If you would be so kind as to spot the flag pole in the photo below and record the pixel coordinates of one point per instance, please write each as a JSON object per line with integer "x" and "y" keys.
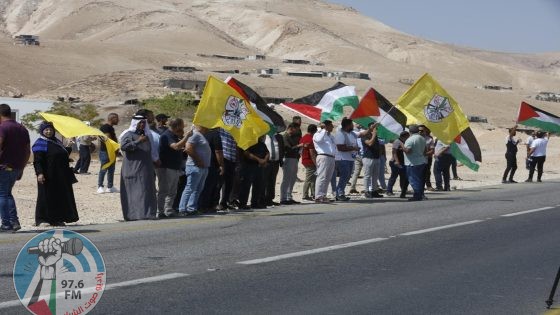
{"x": 387, "y": 113}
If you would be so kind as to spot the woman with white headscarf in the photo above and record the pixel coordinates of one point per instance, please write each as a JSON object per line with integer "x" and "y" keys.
{"x": 138, "y": 189}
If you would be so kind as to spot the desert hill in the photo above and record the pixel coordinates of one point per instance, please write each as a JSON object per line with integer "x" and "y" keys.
{"x": 112, "y": 50}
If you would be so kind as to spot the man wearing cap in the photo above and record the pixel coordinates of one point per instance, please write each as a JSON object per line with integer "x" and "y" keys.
{"x": 415, "y": 160}
{"x": 323, "y": 141}
{"x": 14, "y": 154}
{"x": 161, "y": 123}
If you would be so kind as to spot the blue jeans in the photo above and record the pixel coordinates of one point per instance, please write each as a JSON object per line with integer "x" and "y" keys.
{"x": 7, "y": 203}
{"x": 400, "y": 172}
{"x": 110, "y": 171}
{"x": 196, "y": 177}
{"x": 417, "y": 180}
{"x": 344, "y": 169}
{"x": 441, "y": 171}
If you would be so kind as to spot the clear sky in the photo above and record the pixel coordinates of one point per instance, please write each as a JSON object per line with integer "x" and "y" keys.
{"x": 497, "y": 25}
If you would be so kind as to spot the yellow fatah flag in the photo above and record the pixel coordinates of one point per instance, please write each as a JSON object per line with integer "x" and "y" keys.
{"x": 112, "y": 148}
{"x": 431, "y": 105}
{"x": 222, "y": 106}
{"x": 71, "y": 127}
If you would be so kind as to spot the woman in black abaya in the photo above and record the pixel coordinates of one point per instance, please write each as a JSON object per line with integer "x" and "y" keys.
{"x": 55, "y": 198}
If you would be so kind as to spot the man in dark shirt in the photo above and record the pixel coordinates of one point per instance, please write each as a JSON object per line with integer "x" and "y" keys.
{"x": 370, "y": 161}
{"x": 171, "y": 145}
{"x": 255, "y": 159}
{"x": 275, "y": 145}
{"x": 210, "y": 196}
{"x": 109, "y": 131}
{"x": 14, "y": 154}
{"x": 297, "y": 120}
{"x": 511, "y": 156}
{"x": 290, "y": 167}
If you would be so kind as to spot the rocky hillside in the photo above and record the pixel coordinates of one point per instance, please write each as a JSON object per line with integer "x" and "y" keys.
{"x": 88, "y": 46}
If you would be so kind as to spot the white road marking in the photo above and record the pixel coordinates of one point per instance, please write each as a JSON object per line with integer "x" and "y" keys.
{"x": 374, "y": 240}
{"x": 527, "y": 211}
{"x": 145, "y": 280}
{"x": 13, "y": 303}
{"x": 111, "y": 286}
{"x": 309, "y": 252}
{"x": 443, "y": 227}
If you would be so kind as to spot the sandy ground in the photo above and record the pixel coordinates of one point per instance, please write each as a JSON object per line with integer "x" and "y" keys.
{"x": 105, "y": 208}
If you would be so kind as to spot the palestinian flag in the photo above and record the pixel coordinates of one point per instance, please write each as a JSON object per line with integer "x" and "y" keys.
{"x": 531, "y": 116}
{"x": 466, "y": 150}
{"x": 376, "y": 108}
{"x": 326, "y": 104}
{"x": 272, "y": 118}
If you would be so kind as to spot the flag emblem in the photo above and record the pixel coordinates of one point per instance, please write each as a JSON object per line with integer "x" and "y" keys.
{"x": 235, "y": 112}
{"x": 438, "y": 108}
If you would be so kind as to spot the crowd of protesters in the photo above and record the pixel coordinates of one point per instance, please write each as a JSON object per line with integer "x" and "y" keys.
{"x": 203, "y": 171}
{"x": 170, "y": 169}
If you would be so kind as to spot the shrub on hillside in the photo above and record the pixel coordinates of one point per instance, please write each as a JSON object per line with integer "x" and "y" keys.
{"x": 179, "y": 105}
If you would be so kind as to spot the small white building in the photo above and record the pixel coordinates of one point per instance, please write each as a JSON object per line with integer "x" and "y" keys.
{"x": 22, "y": 106}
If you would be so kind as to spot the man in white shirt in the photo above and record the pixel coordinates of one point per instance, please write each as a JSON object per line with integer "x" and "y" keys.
{"x": 326, "y": 149}
{"x": 346, "y": 151}
{"x": 537, "y": 155}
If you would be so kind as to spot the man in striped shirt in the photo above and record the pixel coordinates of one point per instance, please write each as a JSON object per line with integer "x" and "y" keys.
{"x": 229, "y": 149}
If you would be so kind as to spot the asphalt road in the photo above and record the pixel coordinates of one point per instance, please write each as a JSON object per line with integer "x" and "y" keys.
{"x": 460, "y": 252}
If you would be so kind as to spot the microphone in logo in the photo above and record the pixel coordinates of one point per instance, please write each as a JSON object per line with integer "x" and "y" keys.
{"x": 72, "y": 247}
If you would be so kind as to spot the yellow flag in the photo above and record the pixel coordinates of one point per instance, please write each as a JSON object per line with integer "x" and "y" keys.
{"x": 431, "y": 105}
{"x": 222, "y": 106}
{"x": 112, "y": 148}
{"x": 72, "y": 127}
{"x": 410, "y": 120}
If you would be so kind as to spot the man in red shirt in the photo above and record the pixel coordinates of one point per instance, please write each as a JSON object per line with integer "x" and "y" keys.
{"x": 308, "y": 156}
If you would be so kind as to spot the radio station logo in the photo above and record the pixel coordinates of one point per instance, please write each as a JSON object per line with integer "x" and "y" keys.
{"x": 59, "y": 272}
